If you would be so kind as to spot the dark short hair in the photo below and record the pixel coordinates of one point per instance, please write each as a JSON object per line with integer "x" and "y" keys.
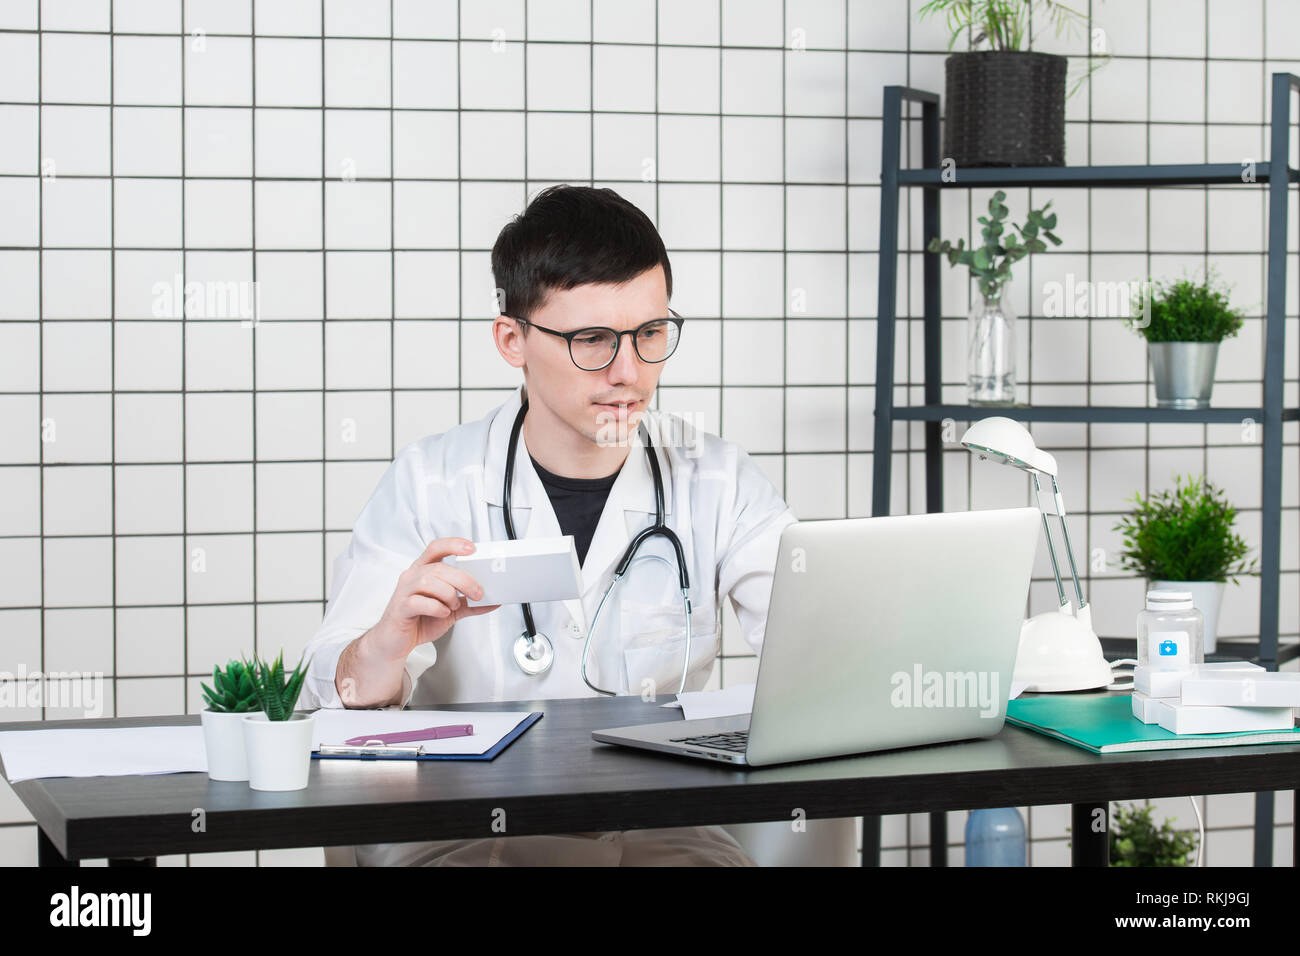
{"x": 570, "y": 236}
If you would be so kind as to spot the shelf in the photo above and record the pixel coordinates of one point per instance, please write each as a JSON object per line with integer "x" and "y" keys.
{"x": 1087, "y": 413}
{"x": 1226, "y": 649}
{"x": 1168, "y": 175}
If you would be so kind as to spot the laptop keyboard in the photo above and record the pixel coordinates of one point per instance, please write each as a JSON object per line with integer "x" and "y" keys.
{"x": 735, "y": 741}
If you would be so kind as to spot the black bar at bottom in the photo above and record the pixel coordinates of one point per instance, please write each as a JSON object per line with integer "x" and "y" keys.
{"x": 871, "y": 840}
{"x": 1088, "y": 847}
{"x": 133, "y": 861}
{"x": 939, "y": 839}
{"x": 47, "y": 854}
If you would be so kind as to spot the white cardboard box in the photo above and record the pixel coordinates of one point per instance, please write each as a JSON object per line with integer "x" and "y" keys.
{"x": 1157, "y": 683}
{"x": 1144, "y": 707}
{"x": 1180, "y": 718}
{"x": 1263, "y": 689}
{"x": 529, "y": 569}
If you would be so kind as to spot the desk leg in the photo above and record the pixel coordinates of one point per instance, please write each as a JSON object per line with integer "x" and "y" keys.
{"x": 47, "y": 854}
{"x": 1087, "y": 846}
{"x": 871, "y": 840}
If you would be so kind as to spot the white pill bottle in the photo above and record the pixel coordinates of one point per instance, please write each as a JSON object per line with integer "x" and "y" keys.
{"x": 1170, "y": 632}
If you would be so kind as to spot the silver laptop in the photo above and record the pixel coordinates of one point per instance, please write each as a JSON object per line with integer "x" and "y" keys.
{"x": 881, "y": 633}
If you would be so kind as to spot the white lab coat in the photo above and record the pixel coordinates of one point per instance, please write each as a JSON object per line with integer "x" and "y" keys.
{"x": 722, "y": 507}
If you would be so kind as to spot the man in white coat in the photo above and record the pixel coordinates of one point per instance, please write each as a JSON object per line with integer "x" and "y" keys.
{"x": 398, "y": 632}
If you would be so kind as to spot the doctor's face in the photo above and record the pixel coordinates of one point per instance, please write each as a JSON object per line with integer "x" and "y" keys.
{"x": 603, "y": 405}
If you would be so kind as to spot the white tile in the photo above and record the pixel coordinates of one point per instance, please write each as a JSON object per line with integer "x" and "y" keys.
{"x": 559, "y": 146}
{"x": 688, "y": 80}
{"x": 815, "y": 485}
{"x": 1235, "y": 28}
{"x": 1119, "y": 91}
{"x": 753, "y": 148}
{"x": 425, "y": 354}
{"x": 289, "y": 215}
{"x": 752, "y": 285}
{"x": 218, "y": 214}
{"x": 147, "y": 212}
{"x": 623, "y": 78}
{"x": 20, "y": 562}
{"x": 349, "y": 485}
{"x": 146, "y": 140}
{"x": 218, "y": 142}
{"x": 415, "y": 273}
{"x": 484, "y": 208}
{"x": 148, "y": 428}
{"x": 753, "y": 216}
{"x": 1236, "y": 92}
{"x": 79, "y": 640}
{"x": 491, "y": 75}
{"x": 681, "y": 21}
{"x": 815, "y": 285}
{"x": 359, "y": 285}
{"x": 623, "y": 21}
{"x": 1177, "y": 90}
{"x": 147, "y": 70}
{"x": 815, "y": 83}
{"x": 290, "y": 496}
{"x": 76, "y": 356}
{"x": 218, "y": 498}
{"x": 358, "y": 425}
{"x": 74, "y": 67}
{"x": 357, "y": 215}
{"x": 20, "y": 143}
{"x": 78, "y": 500}
{"x": 218, "y": 355}
{"x": 76, "y": 428}
{"x": 492, "y": 145}
{"x": 690, "y": 216}
{"x": 293, "y": 626}
{"x": 815, "y": 350}
{"x": 219, "y": 16}
{"x": 289, "y": 567}
{"x": 218, "y": 427}
{"x": 289, "y": 426}
{"x": 20, "y": 501}
{"x": 356, "y": 143}
{"x": 358, "y": 355}
{"x": 418, "y": 414}
{"x": 290, "y": 285}
{"x": 20, "y": 428}
{"x": 417, "y": 18}
{"x": 559, "y": 76}
{"x": 19, "y": 67}
{"x": 78, "y": 572}
{"x": 357, "y": 73}
{"x": 425, "y": 215}
{"x": 216, "y": 635}
{"x": 1177, "y": 29}
{"x": 288, "y": 72}
{"x": 815, "y": 419}
{"x": 149, "y": 696}
{"x": 1235, "y": 222}
{"x": 221, "y": 73}
{"x": 752, "y": 81}
{"x": 150, "y": 640}
{"x": 688, "y": 148}
{"x": 815, "y": 151}
{"x": 149, "y": 570}
{"x": 426, "y": 144}
{"x": 356, "y": 18}
{"x": 281, "y": 348}
{"x": 147, "y": 499}
{"x": 75, "y": 140}
{"x": 288, "y": 142}
{"x": 815, "y": 217}
{"x": 219, "y": 568}
{"x": 76, "y": 212}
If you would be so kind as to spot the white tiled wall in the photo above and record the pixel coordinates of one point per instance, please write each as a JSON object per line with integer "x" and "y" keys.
{"x": 174, "y": 481}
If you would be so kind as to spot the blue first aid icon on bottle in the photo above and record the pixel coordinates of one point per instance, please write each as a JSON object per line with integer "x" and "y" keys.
{"x": 1168, "y": 649}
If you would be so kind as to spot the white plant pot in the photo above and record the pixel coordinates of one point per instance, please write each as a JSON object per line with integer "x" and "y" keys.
{"x": 223, "y": 741}
{"x": 279, "y": 751}
{"x": 1207, "y": 597}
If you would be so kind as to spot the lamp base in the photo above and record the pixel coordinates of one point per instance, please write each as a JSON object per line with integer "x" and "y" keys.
{"x": 1059, "y": 652}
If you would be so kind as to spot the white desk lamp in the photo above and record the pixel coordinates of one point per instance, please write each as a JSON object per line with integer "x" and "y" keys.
{"x": 1059, "y": 651}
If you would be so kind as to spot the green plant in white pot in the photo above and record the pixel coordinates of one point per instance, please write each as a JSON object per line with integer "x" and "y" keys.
{"x": 1183, "y": 540}
{"x": 1183, "y": 323}
{"x": 229, "y": 700}
{"x": 277, "y": 740}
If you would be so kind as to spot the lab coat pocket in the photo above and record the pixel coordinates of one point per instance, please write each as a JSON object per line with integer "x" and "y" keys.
{"x": 654, "y": 646}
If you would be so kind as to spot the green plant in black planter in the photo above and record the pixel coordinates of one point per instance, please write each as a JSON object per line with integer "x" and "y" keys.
{"x": 1183, "y": 322}
{"x": 1004, "y": 105}
{"x": 1136, "y": 841}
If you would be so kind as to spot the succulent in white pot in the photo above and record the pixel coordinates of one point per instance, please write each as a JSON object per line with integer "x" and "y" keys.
{"x": 229, "y": 700}
{"x": 277, "y": 740}
{"x": 1183, "y": 540}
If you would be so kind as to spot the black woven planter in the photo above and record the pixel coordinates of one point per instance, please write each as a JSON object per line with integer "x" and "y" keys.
{"x": 1004, "y": 108}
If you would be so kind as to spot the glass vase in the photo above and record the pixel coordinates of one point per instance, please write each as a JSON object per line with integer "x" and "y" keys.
{"x": 991, "y": 349}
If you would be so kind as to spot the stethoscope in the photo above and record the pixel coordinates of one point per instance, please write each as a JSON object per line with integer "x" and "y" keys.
{"x": 534, "y": 652}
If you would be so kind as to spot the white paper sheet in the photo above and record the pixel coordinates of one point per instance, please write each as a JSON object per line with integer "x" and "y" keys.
{"x": 334, "y": 726}
{"x": 696, "y": 704}
{"x": 102, "y": 752}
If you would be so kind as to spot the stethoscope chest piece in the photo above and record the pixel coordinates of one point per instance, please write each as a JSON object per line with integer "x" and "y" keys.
{"x": 535, "y": 654}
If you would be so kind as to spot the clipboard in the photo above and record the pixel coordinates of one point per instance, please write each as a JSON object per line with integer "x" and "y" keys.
{"x": 416, "y": 751}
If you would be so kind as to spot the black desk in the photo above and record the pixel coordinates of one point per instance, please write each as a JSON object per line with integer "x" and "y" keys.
{"x": 556, "y": 779}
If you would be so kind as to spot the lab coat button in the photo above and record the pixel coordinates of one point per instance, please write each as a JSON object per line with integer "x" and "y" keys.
{"x": 574, "y": 629}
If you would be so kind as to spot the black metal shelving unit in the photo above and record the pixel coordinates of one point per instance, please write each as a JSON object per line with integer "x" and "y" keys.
{"x": 1276, "y": 174}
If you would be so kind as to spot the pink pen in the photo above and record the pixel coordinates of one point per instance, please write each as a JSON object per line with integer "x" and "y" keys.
{"x": 428, "y": 733}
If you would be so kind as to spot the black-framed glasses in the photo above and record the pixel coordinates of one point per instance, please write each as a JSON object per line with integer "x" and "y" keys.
{"x": 593, "y": 348}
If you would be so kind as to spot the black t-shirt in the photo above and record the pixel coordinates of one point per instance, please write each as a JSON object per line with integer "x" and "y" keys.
{"x": 578, "y": 503}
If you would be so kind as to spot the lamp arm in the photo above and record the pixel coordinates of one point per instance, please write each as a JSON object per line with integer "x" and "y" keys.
{"x": 1051, "y": 545}
{"x": 1069, "y": 549}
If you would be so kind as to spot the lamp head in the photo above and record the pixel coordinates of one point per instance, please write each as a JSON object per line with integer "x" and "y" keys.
{"x": 1007, "y": 442}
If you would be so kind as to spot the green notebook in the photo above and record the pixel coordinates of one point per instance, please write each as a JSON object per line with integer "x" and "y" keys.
{"x": 1105, "y": 724}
